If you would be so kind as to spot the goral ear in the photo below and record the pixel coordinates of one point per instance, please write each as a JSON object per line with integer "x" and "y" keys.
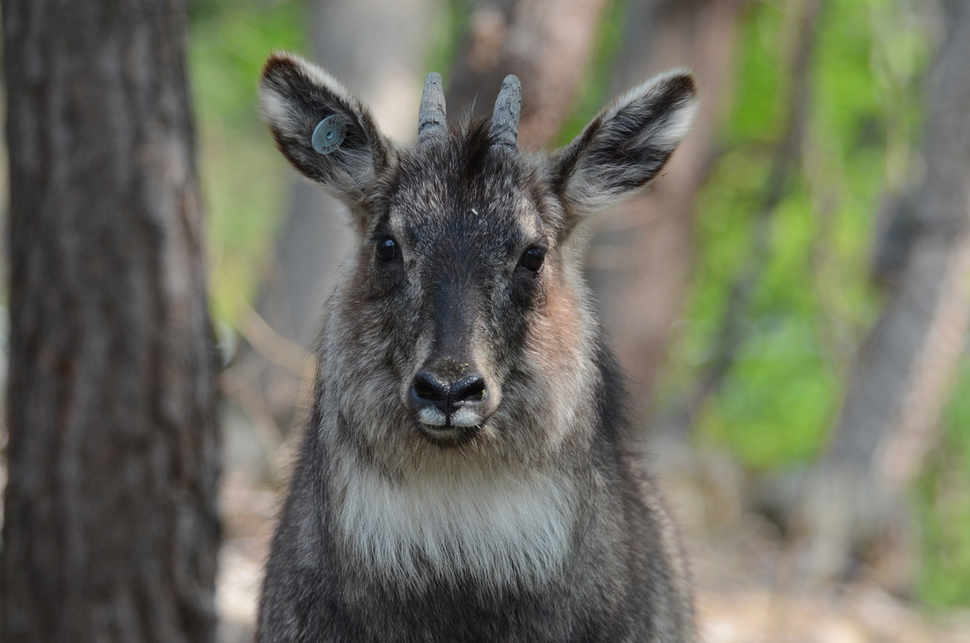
{"x": 324, "y": 131}
{"x": 626, "y": 145}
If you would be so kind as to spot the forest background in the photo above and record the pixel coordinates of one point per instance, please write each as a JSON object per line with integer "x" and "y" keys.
{"x": 797, "y": 347}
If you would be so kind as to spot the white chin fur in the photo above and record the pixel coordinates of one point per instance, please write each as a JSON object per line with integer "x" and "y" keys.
{"x": 433, "y": 416}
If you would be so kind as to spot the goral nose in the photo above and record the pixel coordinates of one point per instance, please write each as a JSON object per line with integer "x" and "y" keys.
{"x": 439, "y": 401}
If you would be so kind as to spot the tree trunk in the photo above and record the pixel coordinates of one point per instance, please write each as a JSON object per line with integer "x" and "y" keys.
{"x": 904, "y": 371}
{"x": 111, "y": 529}
{"x": 546, "y": 43}
{"x": 640, "y": 258}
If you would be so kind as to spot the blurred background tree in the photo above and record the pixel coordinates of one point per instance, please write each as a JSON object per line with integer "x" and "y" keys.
{"x": 740, "y": 289}
{"x": 790, "y": 298}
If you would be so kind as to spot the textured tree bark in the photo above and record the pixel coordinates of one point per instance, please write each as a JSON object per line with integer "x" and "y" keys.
{"x": 111, "y": 530}
{"x": 904, "y": 370}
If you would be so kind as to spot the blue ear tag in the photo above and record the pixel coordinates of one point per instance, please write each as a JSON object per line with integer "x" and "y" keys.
{"x": 328, "y": 134}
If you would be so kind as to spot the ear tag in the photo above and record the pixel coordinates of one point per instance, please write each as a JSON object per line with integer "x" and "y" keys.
{"x": 328, "y": 134}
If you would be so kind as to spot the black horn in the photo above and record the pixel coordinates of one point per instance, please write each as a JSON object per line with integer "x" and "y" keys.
{"x": 432, "y": 121}
{"x": 505, "y": 117}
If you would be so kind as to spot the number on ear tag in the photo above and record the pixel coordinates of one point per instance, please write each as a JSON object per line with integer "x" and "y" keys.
{"x": 328, "y": 134}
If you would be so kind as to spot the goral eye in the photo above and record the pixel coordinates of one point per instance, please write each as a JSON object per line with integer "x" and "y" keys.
{"x": 533, "y": 258}
{"x": 386, "y": 249}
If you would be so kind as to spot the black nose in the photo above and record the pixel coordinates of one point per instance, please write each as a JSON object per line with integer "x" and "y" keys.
{"x": 427, "y": 389}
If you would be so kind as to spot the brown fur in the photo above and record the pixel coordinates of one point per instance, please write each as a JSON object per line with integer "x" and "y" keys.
{"x": 467, "y": 473}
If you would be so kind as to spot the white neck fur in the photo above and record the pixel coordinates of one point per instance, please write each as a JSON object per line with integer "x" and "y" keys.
{"x": 494, "y": 526}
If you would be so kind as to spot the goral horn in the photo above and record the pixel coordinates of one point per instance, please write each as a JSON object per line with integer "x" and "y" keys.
{"x": 505, "y": 118}
{"x": 432, "y": 121}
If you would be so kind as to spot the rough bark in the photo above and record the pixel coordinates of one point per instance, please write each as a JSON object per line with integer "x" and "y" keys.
{"x": 903, "y": 374}
{"x": 641, "y": 256}
{"x": 111, "y": 530}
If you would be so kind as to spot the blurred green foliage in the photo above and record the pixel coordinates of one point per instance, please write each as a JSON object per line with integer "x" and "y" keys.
{"x": 942, "y": 498}
{"x": 813, "y": 299}
{"x": 244, "y": 181}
